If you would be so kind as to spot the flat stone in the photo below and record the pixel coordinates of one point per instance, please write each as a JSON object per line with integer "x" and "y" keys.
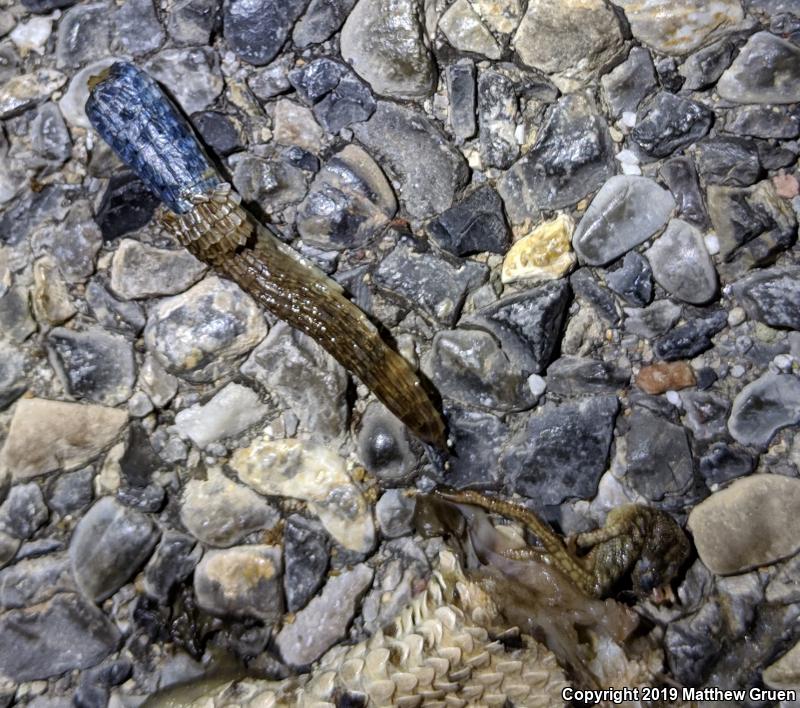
{"x": 728, "y": 160}
{"x": 706, "y": 414}
{"x": 221, "y": 133}
{"x": 384, "y": 41}
{"x": 35, "y": 580}
{"x": 255, "y": 30}
{"x": 24, "y": 511}
{"x": 121, "y": 316}
{"x": 93, "y": 364}
{"x": 321, "y": 20}
{"x": 304, "y": 377}
{"x": 51, "y": 139}
{"x": 771, "y": 296}
{"x": 725, "y": 462}
{"x": 127, "y": 206}
{"x": 633, "y": 281}
{"x": 785, "y": 672}
{"x": 749, "y": 524}
{"x": 349, "y": 202}
{"x": 628, "y": 84}
{"x": 190, "y": 22}
{"x": 73, "y": 101}
{"x": 764, "y": 121}
{"x": 500, "y": 16}
{"x": 579, "y": 376}
{"x": 384, "y": 447}
{"x": 465, "y": 31}
{"x": 562, "y": 451}
{"x": 230, "y": 412}
{"x": 139, "y": 270}
{"x": 693, "y": 643}
{"x": 753, "y": 224}
{"x": 271, "y": 80}
{"x": 72, "y": 492}
{"x": 680, "y": 176}
{"x": 659, "y": 462}
{"x": 325, "y": 619}
{"x": 763, "y": 407}
{"x": 706, "y": 65}
{"x": 272, "y": 183}
{"x": 665, "y": 376}
{"x": 136, "y": 27}
{"x": 588, "y": 289}
{"x": 295, "y": 125}
{"x": 690, "y": 339}
{"x": 414, "y": 153}
{"x": 12, "y": 374}
{"x": 570, "y": 41}
{"x": 201, "y": 333}
{"x": 15, "y": 316}
{"x": 668, "y": 123}
{"x": 681, "y": 264}
{"x": 679, "y": 30}
{"x": 77, "y": 433}
{"x": 337, "y": 96}
{"x": 310, "y": 472}
{"x": 478, "y": 439}
{"x": 20, "y": 93}
{"x": 572, "y": 157}
{"x": 50, "y": 298}
{"x": 61, "y": 635}
{"x": 497, "y": 110}
{"x": 767, "y": 70}
{"x": 173, "y": 561}
{"x": 219, "y": 512}
{"x": 307, "y": 554}
{"x": 461, "y": 92}
{"x": 476, "y": 224}
{"x": 427, "y": 281}
{"x": 544, "y": 254}
{"x": 84, "y": 34}
{"x": 244, "y": 581}
{"x": 626, "y": 212}
{"x": 192, "y": 76}
{"x": 109, "y": 544}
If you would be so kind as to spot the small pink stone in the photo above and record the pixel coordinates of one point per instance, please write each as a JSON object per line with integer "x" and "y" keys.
{"x": 786, "y": 186}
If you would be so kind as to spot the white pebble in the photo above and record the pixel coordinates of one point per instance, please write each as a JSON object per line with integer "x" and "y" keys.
{"x": 674, "y": 398}
{"x": 537, "y": 385}
{"x": 628, "y": 169}
{"x": 31, "y": 36}
{"x": 712, "y": 243}
{"x": 737, "y": 371}
{"x": 627, "y": 157}
{"x": 628, "y": 119}
{"x": 736, "y": 316}
{"x": 783, "y": 362}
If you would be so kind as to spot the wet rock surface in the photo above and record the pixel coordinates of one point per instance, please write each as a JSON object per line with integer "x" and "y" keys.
{"x": 576, "y": 220}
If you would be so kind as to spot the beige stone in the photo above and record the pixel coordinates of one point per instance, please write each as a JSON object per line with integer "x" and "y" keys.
{"x": 464, "y": 30}
{"x": 54, "y": 435}
{"x": 544, "y": 254}
{"x": 294, "y": 124}
{"x": 785, "y": 672}
{"x": 753, "y": 522}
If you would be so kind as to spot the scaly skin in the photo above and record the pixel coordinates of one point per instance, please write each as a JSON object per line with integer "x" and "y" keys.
{"x": 638, "y": 540}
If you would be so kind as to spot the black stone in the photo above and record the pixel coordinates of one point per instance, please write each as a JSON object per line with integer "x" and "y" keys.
{"x": 705, "y": 378}
{"x": 337, "y": 96}
{"x": 562, "y": 451}
{"x": 706, "y": 415}
{"x": 19, "y": 219}
{"x": 321, "y": 20}
{"x": 728, "y": 160}
{"x": 72, "y": 492}
{"x": 303, "y": 159}
{"x": 149, "y": 499}
{"x": 764, "y": 121}
{"x": 772, "y": 296}
{"x": 125, "y": 316}
{"x": 462, "y": 95}
{"x": 774, "y": 155}
{"x": 630, "y": 83}
{"x": 256, "y": 31}
{"x": 427, "y": 281}
{"x": 175, "y": 558}
{"x": 140, "y": 460}
{"x": 669, "y": 123}
{"x": 633, "y": 281}
{"x": 705, "y": 66}
{"x": 497, "y": 110}
{"x": 218, "y": 132}
{"x": 723, "y": 462}
{"x": 306, "y": 558}
{"x": 127, "y": 205}
{"x": 528, "y": 324}
{"x": 690, "y": 339}
{"x": 478, "y": 440}
{"x": 658, "y": 456}
{"x": 680, "y": 176}
{"x": 384, "y": 447}
{"x": 474, "y": 225}
{"x": 586, "y": 288}
{"x": 668, "y": 75}
{"x": 43, "y": 6}
{"x": 24, "y": 511}
{"x": 578, "y": 376}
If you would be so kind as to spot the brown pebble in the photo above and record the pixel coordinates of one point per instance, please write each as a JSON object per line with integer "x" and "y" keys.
{"x": 665, "y": 376}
